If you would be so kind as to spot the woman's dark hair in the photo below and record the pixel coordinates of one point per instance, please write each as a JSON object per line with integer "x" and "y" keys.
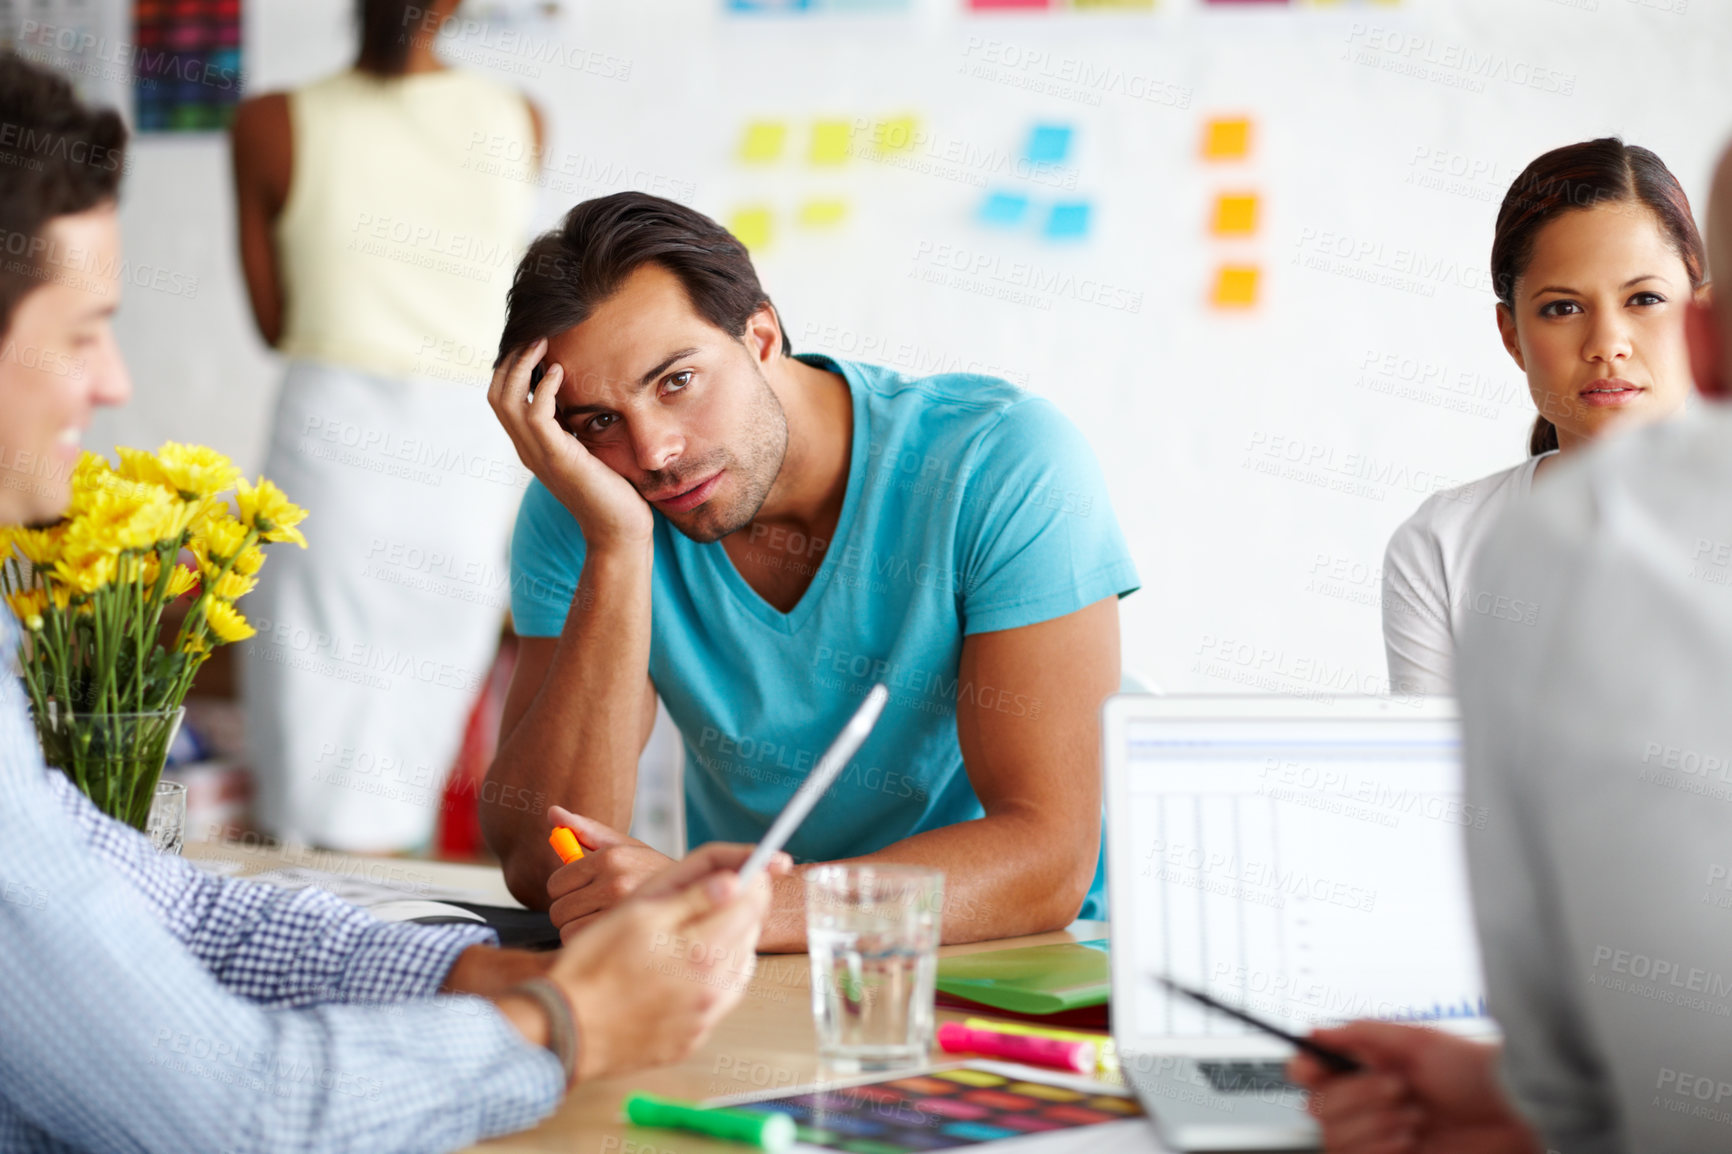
{"x": 570, "y": 270}
{"x": 1604, "y": 171}
{"x": 57, "y": 158}
{"x": 386, "y": 31}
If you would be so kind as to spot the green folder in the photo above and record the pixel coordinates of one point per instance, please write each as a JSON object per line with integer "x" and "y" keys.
{"x": 1032, "y": 980}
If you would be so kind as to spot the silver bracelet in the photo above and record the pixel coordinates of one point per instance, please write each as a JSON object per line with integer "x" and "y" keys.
{"x": 561, "y": 1022}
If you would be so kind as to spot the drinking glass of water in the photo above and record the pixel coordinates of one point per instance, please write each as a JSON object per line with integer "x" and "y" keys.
{"x": 166, "y": 825}
{"x": 872, "y": 932}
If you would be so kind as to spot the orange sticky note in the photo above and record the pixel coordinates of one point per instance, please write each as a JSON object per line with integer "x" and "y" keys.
{"x": 1235, "y": 286}
{"x": 1227, "y": 138}
{"x": 1235, "y": 214}
{"x": 565, "y": 844}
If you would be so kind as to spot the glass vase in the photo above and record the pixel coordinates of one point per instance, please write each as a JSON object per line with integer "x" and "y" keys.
{"x": 116, "y": 759}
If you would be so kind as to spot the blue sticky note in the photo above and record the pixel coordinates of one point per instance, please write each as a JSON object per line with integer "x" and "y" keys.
{"x": 1049, "y": 143}
{"x": 1004, "y": 208}
{"x": 769, "y": 5}
{"x": 1068, "y": 221}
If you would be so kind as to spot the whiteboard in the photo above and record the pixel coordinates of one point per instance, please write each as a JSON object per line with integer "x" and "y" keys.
{"x": 1257, "y": 459}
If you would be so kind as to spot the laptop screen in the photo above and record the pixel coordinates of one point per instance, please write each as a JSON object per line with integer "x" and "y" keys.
{"x": 1309, "y": 870}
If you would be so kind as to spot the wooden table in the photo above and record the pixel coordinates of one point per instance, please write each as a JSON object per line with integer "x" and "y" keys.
{"x": 767, "y": 1043}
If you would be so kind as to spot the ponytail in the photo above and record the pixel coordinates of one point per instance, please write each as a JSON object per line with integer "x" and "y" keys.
{"x": 1543, "y": 439}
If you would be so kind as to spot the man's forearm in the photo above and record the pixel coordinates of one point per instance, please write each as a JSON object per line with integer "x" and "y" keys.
{"x": 578, "y": 743}
{"x": 488, "y": 972}
{"x": 1005, "y": 875}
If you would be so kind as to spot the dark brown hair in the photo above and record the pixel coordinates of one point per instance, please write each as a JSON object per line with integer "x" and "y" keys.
{"x": 385, "y": 33}
{"x": 57, "y": 157}
{"x": 571, "y": 270}
{"x": 1604, "y": 171}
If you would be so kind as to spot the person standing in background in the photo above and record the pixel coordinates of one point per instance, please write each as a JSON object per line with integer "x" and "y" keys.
{"x": 1595, "y": 260}
{"x": 381, "y": 213}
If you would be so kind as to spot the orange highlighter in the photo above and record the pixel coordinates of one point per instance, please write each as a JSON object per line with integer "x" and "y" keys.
{"x": 565, "y": 844}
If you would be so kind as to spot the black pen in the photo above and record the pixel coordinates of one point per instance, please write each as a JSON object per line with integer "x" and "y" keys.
{"x": 1334, "y": 1059}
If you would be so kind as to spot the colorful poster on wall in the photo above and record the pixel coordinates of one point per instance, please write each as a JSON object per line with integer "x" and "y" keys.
{"x": 186, "y": 65}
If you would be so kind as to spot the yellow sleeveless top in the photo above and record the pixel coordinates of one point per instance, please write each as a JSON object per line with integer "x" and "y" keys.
{"x": 408, "y": 209}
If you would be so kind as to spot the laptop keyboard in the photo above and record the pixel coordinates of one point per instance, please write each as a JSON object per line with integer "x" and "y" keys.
{"x": 1245, "y": 1077}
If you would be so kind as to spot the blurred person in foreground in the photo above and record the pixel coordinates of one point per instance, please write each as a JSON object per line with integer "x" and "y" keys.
{"x": 146, "y": 1005}
{"x": 1596, "y": 741}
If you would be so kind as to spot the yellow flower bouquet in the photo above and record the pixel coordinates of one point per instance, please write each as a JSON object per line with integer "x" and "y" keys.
{"x": 90, "y": 593}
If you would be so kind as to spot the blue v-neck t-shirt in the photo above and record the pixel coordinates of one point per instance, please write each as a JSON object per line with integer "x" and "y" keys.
{"x": 971, "y": 507}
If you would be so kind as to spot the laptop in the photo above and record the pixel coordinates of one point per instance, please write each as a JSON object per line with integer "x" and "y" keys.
{"x": 1299, "y": 858}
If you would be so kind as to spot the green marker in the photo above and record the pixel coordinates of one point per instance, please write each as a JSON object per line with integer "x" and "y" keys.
{"x": 772, "y": 1132}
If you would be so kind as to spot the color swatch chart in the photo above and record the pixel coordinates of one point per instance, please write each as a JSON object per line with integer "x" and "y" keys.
{"x": 187, "y": 71}
{"x": 945, "y": 1110}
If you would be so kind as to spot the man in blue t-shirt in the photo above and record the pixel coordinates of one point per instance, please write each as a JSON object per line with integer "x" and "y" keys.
{"x": 760, "y": 538}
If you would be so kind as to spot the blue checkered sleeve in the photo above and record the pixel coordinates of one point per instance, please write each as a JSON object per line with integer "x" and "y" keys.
{"x": 270, "y": 945}
{"x": 113, "y": 1036}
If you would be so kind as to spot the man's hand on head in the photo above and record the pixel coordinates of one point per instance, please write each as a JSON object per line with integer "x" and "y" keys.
{"x": 607, "y": 508}
{"x": 612, "y": 868}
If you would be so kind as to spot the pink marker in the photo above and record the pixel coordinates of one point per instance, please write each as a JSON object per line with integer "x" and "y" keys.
{"x": 954, "y": 1037}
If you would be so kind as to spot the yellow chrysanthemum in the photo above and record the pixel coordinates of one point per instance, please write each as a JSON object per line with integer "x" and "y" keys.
{"x": 28, "y": 605}
{"x": 219, "y": 538}
{"x": 87, "y": 573}
{"x": 90, "y": 475}
{"x": 226, "y": 622}
{"x": 138, "y": 465}
{"x": 269, "y": 510}
{"x": 195, "y": 471}
{"x": 41, "y": 547}
{"x": 231, "y": 586}
{"x": 181, "y": 581}
{"x": 195, "y": 645}
{"x": 250, "y": 561}
{"x": 128, "y": 516}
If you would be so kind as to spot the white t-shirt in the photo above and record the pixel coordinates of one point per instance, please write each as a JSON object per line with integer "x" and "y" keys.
{"x": 1597, "y": 744}
{"x": 1425, "y": 591}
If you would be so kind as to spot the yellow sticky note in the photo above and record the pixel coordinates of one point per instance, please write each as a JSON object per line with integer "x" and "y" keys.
{"x": 823, "y": 213}
{"x": 1235, "y": 286}
{"x": 762, "y": 142}
{"x": 751, "y": 227}
{"x": 1227, "y": 138}
{"x": 897, "y": 134}
{"x": 832, "y": 140}
{"x": 971, "y": 1077}
{"x": 1235, "y": 214}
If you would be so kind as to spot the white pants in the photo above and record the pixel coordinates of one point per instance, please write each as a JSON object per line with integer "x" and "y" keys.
{"x": 375, "y": 641}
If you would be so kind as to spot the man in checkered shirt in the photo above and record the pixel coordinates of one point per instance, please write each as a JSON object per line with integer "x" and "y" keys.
{"x": 147, "y": 1006}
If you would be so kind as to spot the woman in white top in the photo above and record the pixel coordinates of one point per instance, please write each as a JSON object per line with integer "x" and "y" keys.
{"x": 382, "y": 212}
{"x": 1595, "y": 258}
